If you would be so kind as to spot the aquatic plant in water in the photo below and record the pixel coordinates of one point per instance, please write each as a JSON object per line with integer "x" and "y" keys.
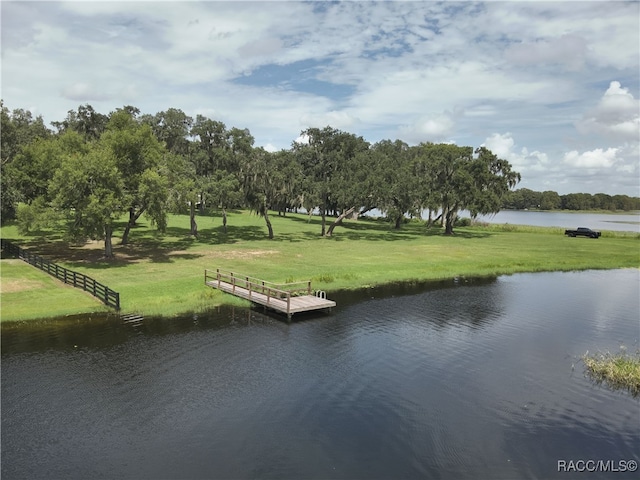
{"x": 619, "y": 371}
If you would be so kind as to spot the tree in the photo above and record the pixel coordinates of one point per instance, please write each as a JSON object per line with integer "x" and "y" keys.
{"x": 576, "y": 201}
{"x": 224, "y": 191}
{"x": 326, "y": 160}
{"x": 212, "y": 136}
{"x": 624, "y": 202}
{"x": 289, "y": 195}
{"x": 260, "y": 185}
{"x": 183, "y": 188}
{"x": 38, "y": 161}
{"x": 449, "y": 181}
{"x": 171, "y": 128}
{"x": 398, "y": 184}
{"x": 492, "y": 180}
{"x": 460, "y": 181}
{"x": 90, "y": 192}
{"x": 603, "y": 201}
{"x": 18, "y": 130}
{"x": 550, "y": 200}
{"x": 86, "y": 121}
{"x": 356, "y": 182}
{"x": 137, "y": 154}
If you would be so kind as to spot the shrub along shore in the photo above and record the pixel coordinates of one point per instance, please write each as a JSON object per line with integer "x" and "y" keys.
{"x": 163, "y": 274}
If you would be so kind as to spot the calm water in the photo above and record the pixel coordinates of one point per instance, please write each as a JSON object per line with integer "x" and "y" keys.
{"x": 466, "y": 379}
{"x": 597, "y": 221}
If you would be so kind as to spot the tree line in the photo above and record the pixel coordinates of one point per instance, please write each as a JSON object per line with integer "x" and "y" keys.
{"x": 92, "y": 169}
{"x": 525, "y": 199}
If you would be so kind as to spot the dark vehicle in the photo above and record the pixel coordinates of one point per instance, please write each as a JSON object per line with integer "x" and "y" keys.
{"x": 582, "y": 232}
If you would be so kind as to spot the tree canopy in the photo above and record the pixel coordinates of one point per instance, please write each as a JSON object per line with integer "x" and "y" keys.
{"x": 96, "y": 168}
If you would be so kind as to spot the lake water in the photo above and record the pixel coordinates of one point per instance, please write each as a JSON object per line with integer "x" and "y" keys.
{"x": 628, "y": 222}
{"x": 459, "y": 379}
{"x": 597, "y": 221}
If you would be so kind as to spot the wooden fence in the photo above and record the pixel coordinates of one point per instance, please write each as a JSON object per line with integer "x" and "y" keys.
{"x": 78, "y": 280}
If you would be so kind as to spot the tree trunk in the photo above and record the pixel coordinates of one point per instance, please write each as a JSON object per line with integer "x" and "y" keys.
{"x": 224, "y": 220}
{"x": 324, "y": 221}
{"x": 108, "y": 244}
{"x": 398, "y": 222}
{"x": 451, "y": 217}
{"x": 192, "y": 217}
{"x": 338, "y": 221}
{"x": 432, "y": 222}
{"x": 265, "y": 214}
{"x": 133, "y": 218}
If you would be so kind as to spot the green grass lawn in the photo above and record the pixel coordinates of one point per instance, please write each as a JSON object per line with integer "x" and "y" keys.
{"x": 25, "y": 290}
{"x": 164, "y": 274}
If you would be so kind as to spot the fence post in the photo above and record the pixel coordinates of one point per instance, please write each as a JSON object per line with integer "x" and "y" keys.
{"x": 66, "y": 276}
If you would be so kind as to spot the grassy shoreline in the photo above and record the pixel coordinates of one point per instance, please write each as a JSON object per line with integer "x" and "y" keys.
{"x": 163, "y": 275}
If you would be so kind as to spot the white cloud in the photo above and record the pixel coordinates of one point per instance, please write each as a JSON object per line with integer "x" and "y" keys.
{"x": 523, "y": 161}
{"x": 597, "y": 158}
{"x": 433, "y": 128}
{"x": 83, "y": 92}
{"x": 616, "y": 116}
{"x": 420, "y": 71}
{"x": 302, "y": 139}
{"x": 568, "y": 51}
{"x": 336, "y": 119}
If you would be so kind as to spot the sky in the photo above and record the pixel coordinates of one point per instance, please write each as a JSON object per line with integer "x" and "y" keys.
{"x": 552, "y": 87}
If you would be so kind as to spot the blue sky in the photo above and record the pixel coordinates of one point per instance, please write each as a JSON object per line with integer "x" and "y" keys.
{"x": 553, "y": 87}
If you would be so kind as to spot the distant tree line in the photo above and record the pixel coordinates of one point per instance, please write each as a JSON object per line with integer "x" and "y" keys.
{"x": 92, "y": 169}
{"x": 525, "y": 199}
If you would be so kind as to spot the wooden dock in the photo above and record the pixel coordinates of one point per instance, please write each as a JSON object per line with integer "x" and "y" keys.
{"x": 288, "y": 298}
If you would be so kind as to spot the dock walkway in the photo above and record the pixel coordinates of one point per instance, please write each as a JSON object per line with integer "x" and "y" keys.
{"x": 288, "y": 298}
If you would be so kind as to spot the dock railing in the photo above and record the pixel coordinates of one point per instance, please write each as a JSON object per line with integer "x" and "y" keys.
{"x": 280, "y": 291}
{"x": 78, "y": 280}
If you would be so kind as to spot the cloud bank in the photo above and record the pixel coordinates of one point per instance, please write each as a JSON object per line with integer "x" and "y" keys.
{"x": 553, "y": 86}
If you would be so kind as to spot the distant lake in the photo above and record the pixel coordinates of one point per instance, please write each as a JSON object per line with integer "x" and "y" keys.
{"x": 461, "y": 379}
{"x": 597, "y": 221}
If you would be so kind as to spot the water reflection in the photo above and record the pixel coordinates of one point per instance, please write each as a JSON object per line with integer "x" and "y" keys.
{"x": 461, "y": 379}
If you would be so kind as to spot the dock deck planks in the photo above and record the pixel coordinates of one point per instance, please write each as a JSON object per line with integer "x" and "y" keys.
{"x": 275, "y": 297}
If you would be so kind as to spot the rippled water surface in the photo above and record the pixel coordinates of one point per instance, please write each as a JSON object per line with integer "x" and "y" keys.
{"x": 466, "y": 379}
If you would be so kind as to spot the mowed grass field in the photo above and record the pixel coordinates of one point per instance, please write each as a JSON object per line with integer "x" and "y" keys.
{"x": 163, "y": 274}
